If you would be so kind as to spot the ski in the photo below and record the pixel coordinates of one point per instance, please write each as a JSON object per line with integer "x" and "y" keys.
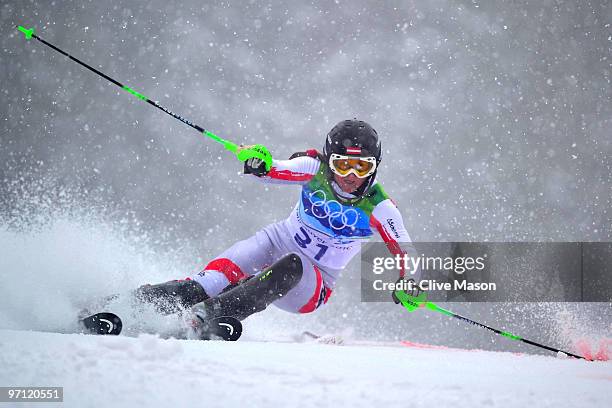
{"x": 104, "y": 323}
{"x": 109, "y": 324}
{"x": 225, "y": 327}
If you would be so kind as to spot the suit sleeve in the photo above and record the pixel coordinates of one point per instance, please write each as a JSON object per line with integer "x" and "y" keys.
{"x": 388, "y": 221}
{"x": 299, "y": 170}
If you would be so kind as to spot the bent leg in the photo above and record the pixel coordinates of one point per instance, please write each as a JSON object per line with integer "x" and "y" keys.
{"x": 309, "y": 293}
{"x": 234, "y": 265}
{"x": 238, "y": 262}
{"x": 255, "y": 294}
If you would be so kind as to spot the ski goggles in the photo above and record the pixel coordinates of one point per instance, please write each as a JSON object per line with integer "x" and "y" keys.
{"x": 362, "y": 167}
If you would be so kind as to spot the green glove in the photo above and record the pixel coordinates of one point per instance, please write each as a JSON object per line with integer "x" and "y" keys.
{"x": 411, "y": 300}
{"x": 258, "y": 152}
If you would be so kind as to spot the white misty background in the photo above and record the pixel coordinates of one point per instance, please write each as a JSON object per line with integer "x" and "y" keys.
{"x": 495, "y": 119}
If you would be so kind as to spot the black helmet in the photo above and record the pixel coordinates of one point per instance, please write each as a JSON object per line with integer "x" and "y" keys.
{"x": 353, "y": 138}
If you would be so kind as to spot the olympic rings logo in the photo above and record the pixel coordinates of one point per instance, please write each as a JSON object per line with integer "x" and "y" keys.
{"x": 337, "y": 216}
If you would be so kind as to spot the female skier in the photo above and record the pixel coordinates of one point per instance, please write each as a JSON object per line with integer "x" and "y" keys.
{"x": 295, "y": 263}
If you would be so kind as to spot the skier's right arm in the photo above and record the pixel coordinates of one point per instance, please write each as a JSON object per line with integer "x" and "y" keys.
{"x": 298, "y": 170}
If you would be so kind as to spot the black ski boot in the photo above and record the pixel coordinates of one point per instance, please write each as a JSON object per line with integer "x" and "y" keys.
{"x": 251, "y": 296}
{"x": 173, "y": 296}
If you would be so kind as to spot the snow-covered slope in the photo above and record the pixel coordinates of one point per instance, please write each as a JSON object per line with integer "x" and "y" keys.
{"x": 150, "y": 372}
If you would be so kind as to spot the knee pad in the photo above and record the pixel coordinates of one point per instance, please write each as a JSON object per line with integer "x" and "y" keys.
{"x": 283, "y": 275}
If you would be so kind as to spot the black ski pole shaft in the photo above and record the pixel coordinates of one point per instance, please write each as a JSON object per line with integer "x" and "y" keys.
{"x": 408, "y": 302}
{"x": 510, "y": 335}
{"x": 232, "y": 147}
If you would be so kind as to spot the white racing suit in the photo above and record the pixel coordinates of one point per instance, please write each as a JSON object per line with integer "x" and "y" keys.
{"x": 323, "y": 232}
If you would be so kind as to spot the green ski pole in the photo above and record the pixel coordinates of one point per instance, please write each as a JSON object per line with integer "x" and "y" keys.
{"x": 241, "y": 154}
{"x": 410, "y": 304}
